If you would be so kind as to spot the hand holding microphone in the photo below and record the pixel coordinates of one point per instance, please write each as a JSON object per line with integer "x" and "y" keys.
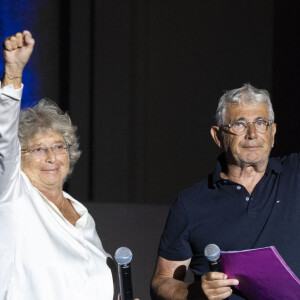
{"x": 215, "y": 283}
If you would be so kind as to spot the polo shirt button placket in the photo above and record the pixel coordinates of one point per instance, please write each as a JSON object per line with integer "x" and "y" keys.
{"x": 246, "y": 198}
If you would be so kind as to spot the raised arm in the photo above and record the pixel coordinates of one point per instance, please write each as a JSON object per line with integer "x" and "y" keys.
{"x": 168, "y": 283}
{"x": 17, "y": 50}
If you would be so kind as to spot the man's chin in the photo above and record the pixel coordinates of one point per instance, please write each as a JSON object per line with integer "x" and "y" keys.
{"x": 252, "y": 160}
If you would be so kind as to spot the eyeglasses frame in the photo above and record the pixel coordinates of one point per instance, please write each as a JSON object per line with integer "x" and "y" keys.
{"x": 46, "y": 149}
{"x": 246, "y": 125}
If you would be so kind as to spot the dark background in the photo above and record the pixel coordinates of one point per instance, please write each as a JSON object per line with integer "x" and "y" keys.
{"x": 141, "y": 80}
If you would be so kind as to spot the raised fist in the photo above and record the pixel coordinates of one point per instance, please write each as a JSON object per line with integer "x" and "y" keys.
{"x": 17, "y": 50}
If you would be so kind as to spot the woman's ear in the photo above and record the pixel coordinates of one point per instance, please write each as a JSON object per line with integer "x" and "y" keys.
{"x": 217, "y": 136}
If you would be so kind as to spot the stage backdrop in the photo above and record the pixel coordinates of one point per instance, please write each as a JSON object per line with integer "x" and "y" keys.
{"x": 141, "y": 80}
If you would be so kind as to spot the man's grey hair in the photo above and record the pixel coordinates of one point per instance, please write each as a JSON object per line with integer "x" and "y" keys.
{"x": 246, "y": 94}
{"x": 44, "y": 116}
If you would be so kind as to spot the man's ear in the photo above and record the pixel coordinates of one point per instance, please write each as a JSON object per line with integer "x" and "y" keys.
{"x": 216, "y": 134}
{"x": 273, "y": 128}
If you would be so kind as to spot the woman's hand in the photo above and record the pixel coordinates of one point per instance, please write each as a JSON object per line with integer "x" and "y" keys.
{"x": 17, "y": 50}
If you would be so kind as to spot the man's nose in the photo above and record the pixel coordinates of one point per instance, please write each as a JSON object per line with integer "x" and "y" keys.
{"x": 251, "y": 130}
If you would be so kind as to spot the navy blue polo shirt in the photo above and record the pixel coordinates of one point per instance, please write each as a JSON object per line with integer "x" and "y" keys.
{"x": 222, "y": 212}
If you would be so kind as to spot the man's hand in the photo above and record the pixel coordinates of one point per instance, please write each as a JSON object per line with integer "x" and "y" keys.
{"x": 216, "y": 286}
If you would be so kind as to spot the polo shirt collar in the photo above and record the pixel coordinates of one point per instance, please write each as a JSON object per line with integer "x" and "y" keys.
{"x": 274, "y": 165}
{"x": 220, "y": 166}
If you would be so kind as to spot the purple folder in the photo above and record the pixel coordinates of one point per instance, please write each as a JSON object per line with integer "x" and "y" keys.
{"x": 262, "y": 273}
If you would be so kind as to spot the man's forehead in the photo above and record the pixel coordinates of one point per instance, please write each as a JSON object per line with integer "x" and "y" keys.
{"x": 247, "y": 111}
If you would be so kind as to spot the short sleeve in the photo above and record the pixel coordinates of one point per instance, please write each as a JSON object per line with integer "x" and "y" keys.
{"x": 174, "y": 243}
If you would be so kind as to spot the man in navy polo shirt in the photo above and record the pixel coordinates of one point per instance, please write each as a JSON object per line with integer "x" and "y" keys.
{"x": 250, "y": 201}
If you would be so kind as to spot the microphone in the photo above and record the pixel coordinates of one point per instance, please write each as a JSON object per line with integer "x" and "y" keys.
{"x": 123, "y": 257}
{"x": 212, "y": 253}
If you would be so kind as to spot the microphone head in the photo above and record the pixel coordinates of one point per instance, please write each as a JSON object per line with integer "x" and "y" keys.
{"x": 123, "y": 256}
{"x": 212, "y": 252}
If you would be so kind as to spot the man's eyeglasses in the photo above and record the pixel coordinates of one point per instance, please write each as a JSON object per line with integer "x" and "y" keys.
{"x": 239, "y": 127}
{"x": 40, "y": 151}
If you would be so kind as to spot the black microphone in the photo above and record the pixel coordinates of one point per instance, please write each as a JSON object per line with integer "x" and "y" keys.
{"x": 212, "y": 252}
{"x": 123, "y": 257}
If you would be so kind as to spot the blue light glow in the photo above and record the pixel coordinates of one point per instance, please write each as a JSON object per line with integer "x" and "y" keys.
{"x": 16, "y": 16}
